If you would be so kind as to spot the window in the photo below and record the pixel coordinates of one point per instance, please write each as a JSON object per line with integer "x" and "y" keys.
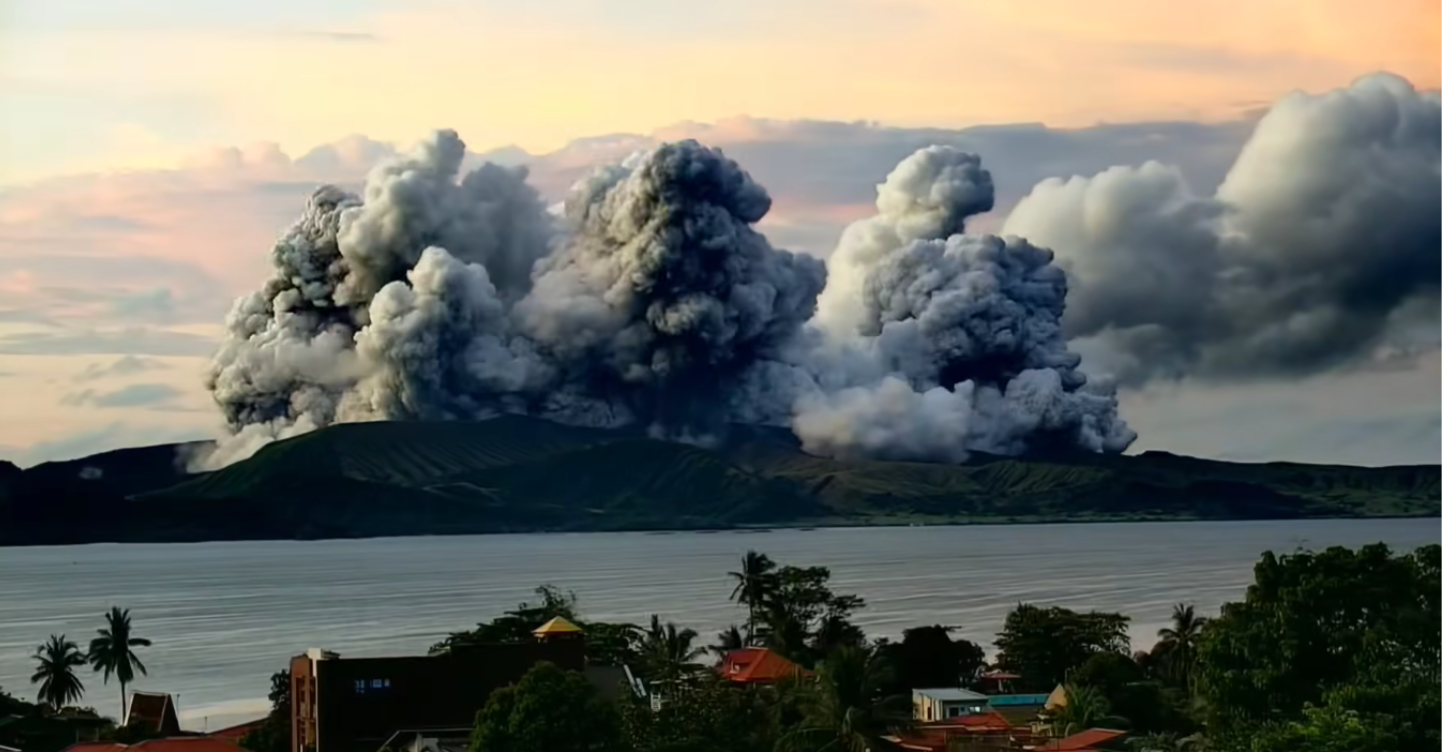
{"x": 364, "y": 685}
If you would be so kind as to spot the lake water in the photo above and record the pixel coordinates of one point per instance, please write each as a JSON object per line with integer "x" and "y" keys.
{"x": 224, "y": 616}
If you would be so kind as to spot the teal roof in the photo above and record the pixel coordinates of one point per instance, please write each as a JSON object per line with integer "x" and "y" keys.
{"x": 1001, "y": 701}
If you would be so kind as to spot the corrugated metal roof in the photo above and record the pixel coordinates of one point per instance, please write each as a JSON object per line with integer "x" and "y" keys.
{"x": 1000, "y": 701}
{"x": 951, "y": 694}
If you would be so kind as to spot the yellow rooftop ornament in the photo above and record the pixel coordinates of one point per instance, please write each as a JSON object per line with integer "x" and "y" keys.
{"x": 555, "y": 627}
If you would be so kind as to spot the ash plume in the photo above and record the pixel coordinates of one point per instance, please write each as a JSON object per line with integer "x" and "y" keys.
{"x": 649, "y": 299}
{"x": 1321, "y": 249}
{"x": 955, "y": 340}
{"x": 664, "y": 293}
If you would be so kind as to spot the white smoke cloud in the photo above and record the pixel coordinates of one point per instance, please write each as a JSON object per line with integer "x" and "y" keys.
{"x": 1321, "y": 247}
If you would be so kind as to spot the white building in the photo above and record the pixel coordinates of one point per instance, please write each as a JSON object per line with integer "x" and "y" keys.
{"x": 940, "y": 704}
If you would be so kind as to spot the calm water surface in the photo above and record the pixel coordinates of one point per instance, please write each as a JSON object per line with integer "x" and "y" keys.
{"x": 224, "y": 616}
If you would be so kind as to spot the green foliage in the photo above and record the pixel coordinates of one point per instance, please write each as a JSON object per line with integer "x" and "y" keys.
{"x": 727, "y": 640}
{"x": 1329, "y": 729}
{"x": 668, "y": 653}
{"x": 708, "y": 715}
{"x": 513, "y": 473}
{"x": 847, "y": 707}
{"x": 548, "y": 710}
{"x": 274, "y": 734}
{"x": 927, "y": 657}
{"x": 1177, "y": 648}
{"x": 56, "y": 662}
{"x": 112, "y": 652}
{"x": 1147, "y": 703}
{"x": 756, "y": 582}
{"x": 803, "y": 620}
{"x": 1043, "y": 644}
{"x": 1347, "y": 631}
{"x": 606, "y": 644}
{"x": 517, "y": 624}
{"x": 1086, "y": 707}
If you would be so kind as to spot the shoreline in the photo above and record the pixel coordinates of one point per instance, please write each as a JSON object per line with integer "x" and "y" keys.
{"x": 744, "y": 529}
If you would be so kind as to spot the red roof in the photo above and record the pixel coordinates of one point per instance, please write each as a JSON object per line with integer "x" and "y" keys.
{"x": 174, "y": 744}
{"x": 1084, "y": 741}
{"x": 234, "y": 733}
{"x": 95, "y": 747}
{"x": 749, "y": 665}
{"x": 185, "y": 744}
{"x": 988, "y": 721}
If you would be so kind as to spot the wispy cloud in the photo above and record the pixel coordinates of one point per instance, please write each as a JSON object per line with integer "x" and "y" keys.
{"x": 135, "y": 395}
{"x": 129, "y": 341}
{"x": 128, "y": 365}
{"x": 341, "y": 37}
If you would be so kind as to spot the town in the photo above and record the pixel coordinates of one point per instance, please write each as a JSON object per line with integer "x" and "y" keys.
{"x": 799, "y": 675}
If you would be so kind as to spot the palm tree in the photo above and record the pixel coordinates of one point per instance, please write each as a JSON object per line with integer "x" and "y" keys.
{"x": 781, "y": 630}
{"x": 111, "y": 653}
{"x": 845, "y": 708}
{"x": 727, "y": 640}
{"x": 1179, "y": 641}
{"x": 668, "y": 651}
{"x": 755, "y": 584}
{"x": 55, "y": 672}
{"x": 1085, "y": 708}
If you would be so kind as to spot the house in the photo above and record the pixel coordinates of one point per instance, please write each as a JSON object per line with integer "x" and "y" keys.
{"x": 154, "y": 712}
{"x": 758, "y": 666}
{"x": 364, "y": 704}
{"x": 939, "y": 704}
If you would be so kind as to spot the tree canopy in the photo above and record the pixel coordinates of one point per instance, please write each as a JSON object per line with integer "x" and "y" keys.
{"x": 1331, "y": 639}
{"x": 1043, "y": 643}
{"x": 548, "y": 710}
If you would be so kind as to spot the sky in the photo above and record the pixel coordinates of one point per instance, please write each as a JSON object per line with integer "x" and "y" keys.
{"x": 151, "y": 151}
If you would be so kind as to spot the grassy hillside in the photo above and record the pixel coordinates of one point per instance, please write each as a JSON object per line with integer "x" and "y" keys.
{"x": 518, "y": 474}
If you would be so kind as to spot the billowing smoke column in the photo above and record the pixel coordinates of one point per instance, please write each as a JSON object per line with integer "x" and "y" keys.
{"x": 951, "y": 342}
{"x": 651, "y": 301}
{"x": 1321, "y": 249}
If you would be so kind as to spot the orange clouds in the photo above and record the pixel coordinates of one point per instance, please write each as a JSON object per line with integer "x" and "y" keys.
{"x": 521, "y": 75}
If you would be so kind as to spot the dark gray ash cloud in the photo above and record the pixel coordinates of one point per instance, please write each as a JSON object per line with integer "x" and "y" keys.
{"x": 650, "y": 298}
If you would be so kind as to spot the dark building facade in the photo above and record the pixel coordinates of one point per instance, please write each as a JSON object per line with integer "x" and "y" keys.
{"x": 357, "y": 704}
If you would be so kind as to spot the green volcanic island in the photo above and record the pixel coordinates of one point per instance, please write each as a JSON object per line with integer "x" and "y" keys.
{"x": 517, "y": 474}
